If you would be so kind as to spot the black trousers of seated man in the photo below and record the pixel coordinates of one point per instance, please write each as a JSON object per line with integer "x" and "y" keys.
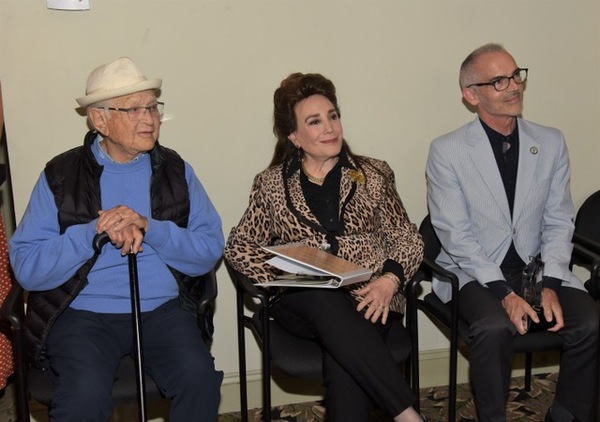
{"x": 358, "y": 368}
{"x": 85, "y": 348}
{"x": 491, "y": 349}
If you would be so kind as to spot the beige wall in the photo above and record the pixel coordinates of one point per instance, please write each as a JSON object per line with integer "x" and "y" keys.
{"x": 395, "y": 64}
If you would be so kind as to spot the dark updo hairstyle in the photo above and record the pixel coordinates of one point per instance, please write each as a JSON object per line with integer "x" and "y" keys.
{"x": 291, "y": 91}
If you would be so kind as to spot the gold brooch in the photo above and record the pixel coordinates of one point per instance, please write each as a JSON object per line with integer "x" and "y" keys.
{"x": 356, "y": 176}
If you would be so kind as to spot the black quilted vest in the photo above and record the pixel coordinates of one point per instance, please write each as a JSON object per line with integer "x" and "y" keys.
{"x": 74, "y": 178}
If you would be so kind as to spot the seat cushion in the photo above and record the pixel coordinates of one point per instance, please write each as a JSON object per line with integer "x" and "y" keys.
{"x": 124, "y": 389}
{"x": 303, "y": 358}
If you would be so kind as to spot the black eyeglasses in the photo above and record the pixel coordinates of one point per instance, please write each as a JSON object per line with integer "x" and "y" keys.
{"x": 136, "y": 113}
{"x": 501, "y": 83}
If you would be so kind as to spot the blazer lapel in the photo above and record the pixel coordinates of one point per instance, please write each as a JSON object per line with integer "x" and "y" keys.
{"x": 529, "y": 148}
{"x": 485, "y": 162}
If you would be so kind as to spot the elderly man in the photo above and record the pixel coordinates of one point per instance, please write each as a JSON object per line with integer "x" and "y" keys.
{"x": 498, "y": 194}
{"x": 149, "y": 201}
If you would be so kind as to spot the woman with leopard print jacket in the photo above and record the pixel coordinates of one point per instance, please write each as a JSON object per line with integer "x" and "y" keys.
{"x": 317, "y": 192}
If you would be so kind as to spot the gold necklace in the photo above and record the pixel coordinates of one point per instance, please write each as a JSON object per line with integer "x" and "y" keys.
{"x": 311, "y": 178}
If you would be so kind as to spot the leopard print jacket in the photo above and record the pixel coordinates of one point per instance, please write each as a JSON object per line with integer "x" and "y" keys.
{"x": 376, "y": 226}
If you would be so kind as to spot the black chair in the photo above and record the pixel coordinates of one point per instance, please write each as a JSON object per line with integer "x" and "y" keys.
{"x": 290, "y": 354}
{"x": 32, "y": 382}
{"x": 447, "y": 314}
{"x": 587, "y": 235}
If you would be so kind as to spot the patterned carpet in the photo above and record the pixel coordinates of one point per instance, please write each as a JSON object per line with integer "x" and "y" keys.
{"x": 522, "y": 405}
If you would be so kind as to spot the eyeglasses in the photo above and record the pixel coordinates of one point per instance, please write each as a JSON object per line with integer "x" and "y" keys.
{"x": 502, "y": 83}
{"x": 136, "y": 113}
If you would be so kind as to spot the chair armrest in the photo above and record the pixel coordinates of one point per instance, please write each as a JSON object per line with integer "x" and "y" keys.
{"x": 591, "y": 260}
{"x": 588, "y": 243}
{"x": 245, "y": 286}
{"x": 209, "y": 292}
{"x": 586, "y": 255}
{"x": 205, "y": 306}
{"x": 12, "y": 307}
{"x": 426, "y": 271}
{"x": 245, "y": 289}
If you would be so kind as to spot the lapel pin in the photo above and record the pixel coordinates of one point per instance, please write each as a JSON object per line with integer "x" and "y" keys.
{"x": 533, "y": 150}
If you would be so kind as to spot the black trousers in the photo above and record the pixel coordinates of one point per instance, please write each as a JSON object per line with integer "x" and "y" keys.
{"x": 85, "y": 348}
{"x": 357, "y": 366}
{"x": 491, "y": 349}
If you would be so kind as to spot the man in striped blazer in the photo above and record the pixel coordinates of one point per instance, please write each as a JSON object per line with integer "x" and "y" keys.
{"x": 498, "y": 195}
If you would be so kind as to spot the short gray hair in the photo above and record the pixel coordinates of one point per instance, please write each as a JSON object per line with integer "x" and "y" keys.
{"x": 467, "y": 75}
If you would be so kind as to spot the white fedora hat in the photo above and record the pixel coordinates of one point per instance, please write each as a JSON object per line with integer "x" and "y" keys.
{"x": 115, "y": 79}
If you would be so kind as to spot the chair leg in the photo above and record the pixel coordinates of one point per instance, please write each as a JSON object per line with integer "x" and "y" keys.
{"x": 22, "y": 401}
{"x": 412, "y": 364}
{"x": 528, "y": 365}
{"x": 452, "y": 391}
{"x": 20, "y": 377}
{"x": 453, "y": 355}
{"x": 242, "y": 358}
{"x": 266, "y": 370}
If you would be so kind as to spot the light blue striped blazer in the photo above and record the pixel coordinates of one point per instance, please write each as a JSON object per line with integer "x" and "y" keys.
{"x": 470, "y": 212}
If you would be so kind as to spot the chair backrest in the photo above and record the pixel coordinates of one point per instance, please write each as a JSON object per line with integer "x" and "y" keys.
{"x": 587, "y": 222}
{"x": 430, "y": 239}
